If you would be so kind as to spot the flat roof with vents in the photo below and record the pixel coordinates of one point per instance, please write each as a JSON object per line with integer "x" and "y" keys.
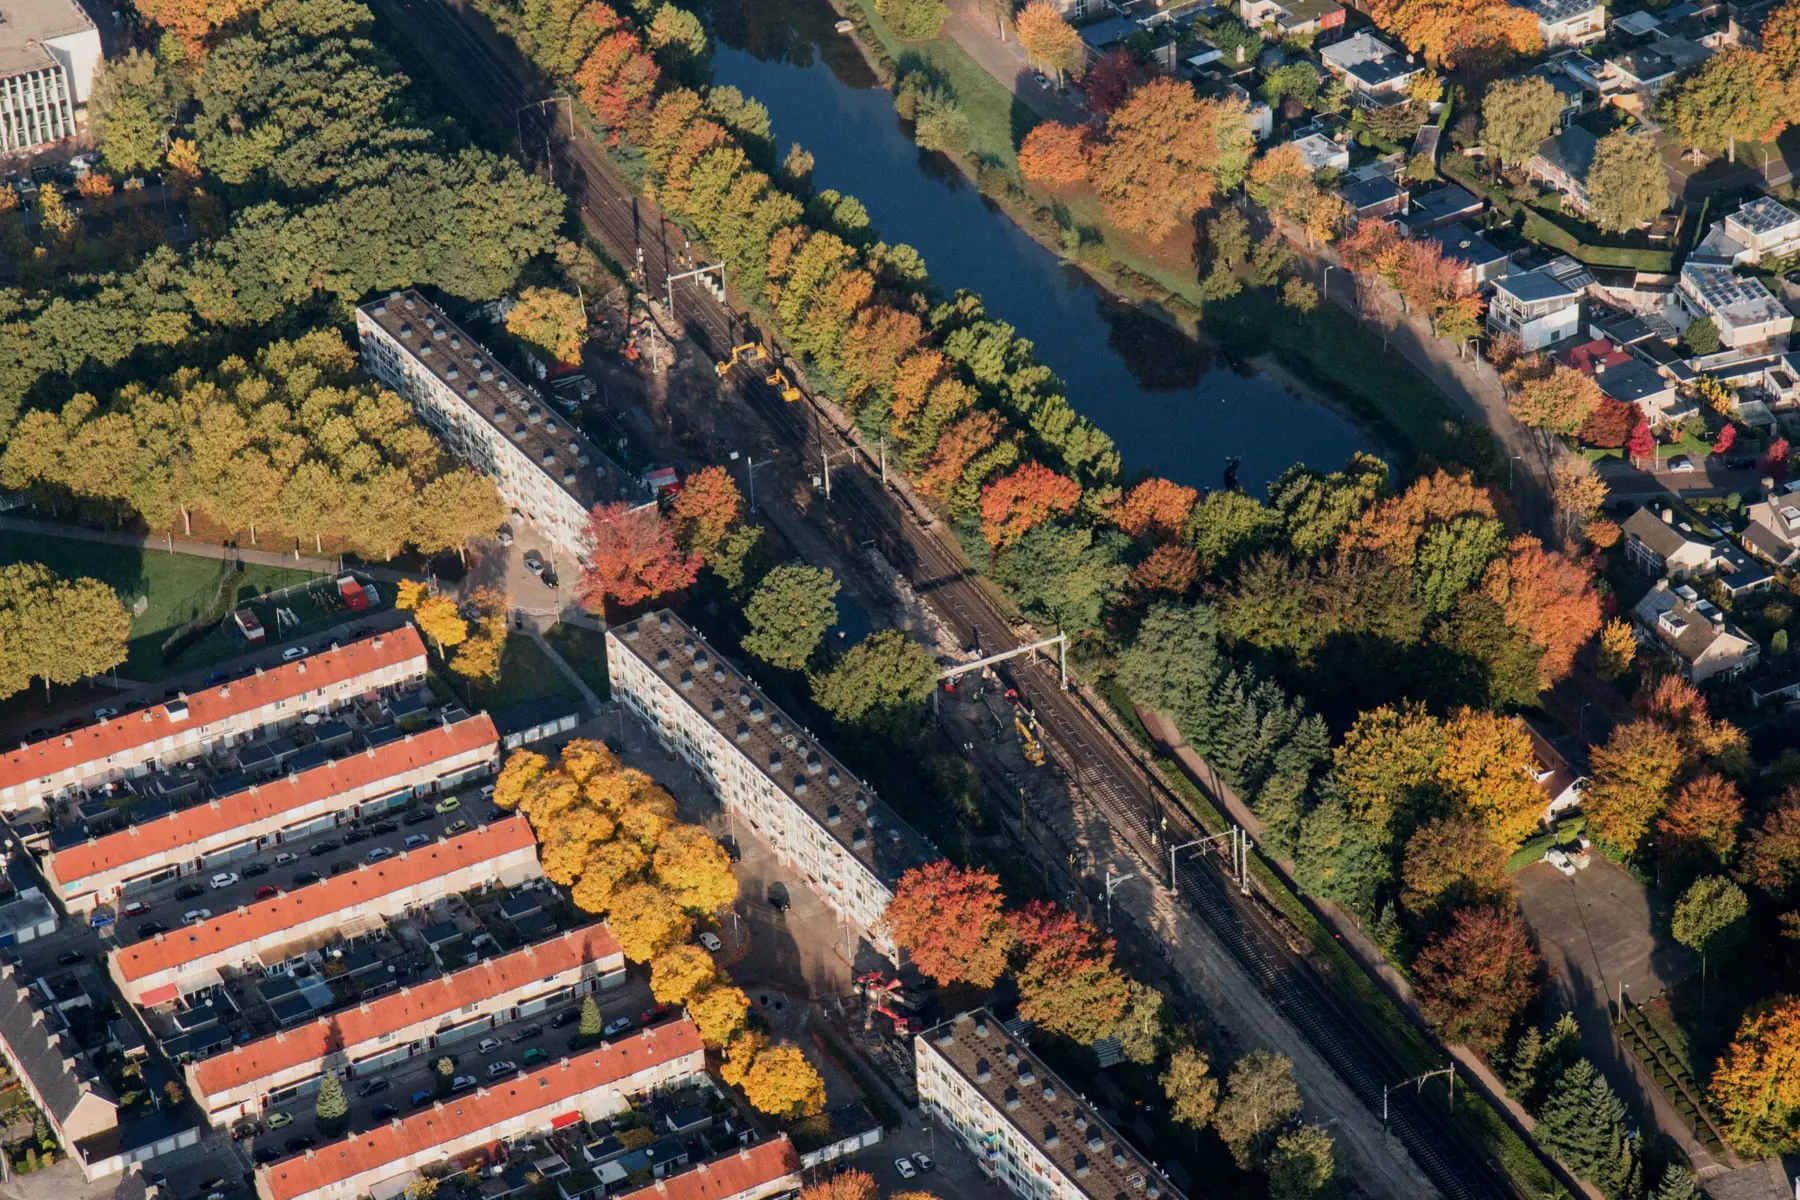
{"x": 501, "y": 399}
{"x": 1030, "y": 1097}
{"x": 781, "y": 749}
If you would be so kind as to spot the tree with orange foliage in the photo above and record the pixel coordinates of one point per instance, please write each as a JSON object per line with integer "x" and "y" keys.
{"x": 848, "y": 1185}
{"x": 1634, "y": 776}
{"x": 1054, "y": 154}
{"x": 948, "y": 920}
{"x": 1772, "y": 859}
{"x": 1067, "y": 982}
{"x": 1050, "y": 42}
{"x": 1476, "y": 34}
{"x": 877, "y": 343}
{"x": 633, "y": 558}
{"x": 1756, "y": 1084}
{"x": 618, "y": 81}
{"x": 1165, "y": 154}
{"x": 1156, "y": 508}
{"x": 1013, "y": 504}
{"x": 957, "y": 449}
{"x": 1450, "y": 862}
{"x": 1372, "y": 248}
{"x": 1549, "y": 596}
{"x": 193, "y": 21}
{"x": 1424, "y": 277}
{"x": 1703, "y": 817}
{"x": 1394, "y": 527}
{"x": 1111, "y": 80}
{"x": 1559, "y": 402}
{"x": 1475, "y": 980}
{"x": 1168, "y": 568}
{"x": 705, "y": 509}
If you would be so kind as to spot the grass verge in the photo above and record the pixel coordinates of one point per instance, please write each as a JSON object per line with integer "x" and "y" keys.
{"x": 585, "y": 650}
{"x": 526, "y": 673}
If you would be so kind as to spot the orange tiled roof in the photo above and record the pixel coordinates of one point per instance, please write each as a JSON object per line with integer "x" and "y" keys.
{"x": 403, "y": 1009}
{"x": 723, "y": 1178}
{"x": 367, "y": 883}
{"x": 471, "y": 1114}
{"x": 189, "y": 826}
{"x": 136, "y": 730}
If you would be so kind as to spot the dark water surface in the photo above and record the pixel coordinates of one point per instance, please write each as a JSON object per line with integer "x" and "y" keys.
{"x": 1168, "y": 402}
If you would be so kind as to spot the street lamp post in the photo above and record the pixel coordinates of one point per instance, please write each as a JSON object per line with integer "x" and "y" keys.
{"x": 1112, "y": 884}
{"x": 1509, "y": 470}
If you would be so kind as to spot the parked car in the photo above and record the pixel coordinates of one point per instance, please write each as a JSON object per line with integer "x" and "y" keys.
{"x": 616, "y": 1026}
{"x": 415, "y": 840}
{"x": 355, "y": 836}
{"x": 379, "y": 853}
{"x": 279, "y": 1120}
{"x": 525, "y": 1033}
{"x": 224, "y": 879}
{"x": 150, "y": 929}
{"x": 456, "y": 827}
{"x": 447, "y": 804}
{"x": 370, "y": 1087}
{"x": 252, "y": 870}
{"x": 306, "y": 877}
{"x": 267, "y": 890}
{"x": 293, "y": 652}
{"x": 504, "y": 535}
{"x": 246, "y": 1128}
{"x": 566, "y": 1017}
{"x": 1556, "y": 858}
{"x": 503, "y": 1067}
{"x": 286, "y": 857}
{"x": 188, "y": 891}
{"x": 534, "y": 562}
{"x": 136, "y": 908}
{"x": 382, "y": 1112}
{"x": 1681, "y": 464}
{"x": 487, "y": 1045}
{"x": 342, "y": 865}
{"x": 383, "y": 828}
{"x": 417, "y": 817}
{"x": 922, "y": 1160}
{"x": 194, "y": 916}
{"x": 711, "y": 942}
{"x": 321, "y": 849}
{"x": 301, "y": 1143}
{"x": 266, "y": 1155}
{"x": 420, "y": 1099}
{"x": 653, "y": 1014}
{"x": 905, "y": 1167}
{"x": 463, "y": 1083}
{"x": 105, "y": 713}
{"x": 99, "y": 921}
{"x": 536, "y": 1054}
{"x": 70, "y": 958}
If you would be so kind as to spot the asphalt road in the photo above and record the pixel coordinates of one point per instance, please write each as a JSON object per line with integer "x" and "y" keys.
{"x": 1103, "y": 770}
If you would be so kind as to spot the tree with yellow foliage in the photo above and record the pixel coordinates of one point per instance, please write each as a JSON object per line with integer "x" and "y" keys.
{"x": 719, "y": 1012}
{"x": 1756, "y": 1084}
{"x": 1635, "y": 775}
{"x": 584, "y": 758}
{"x": 846, "y": 1185}
{"x": 550, "y": 322}
{"x": 680, "y": 973}
{"x": 781, "y": 1083}
{"x": 608, "y": 869}
{"x": 1050, "y": 42}
{"x": 1618, "y": 647}
{"x": 408, "y": 593}
{"x": 183, "y": 160}
{"x": 521, "y": 771}
{"x": 571, "y": 839}
{"x": 695, "y": 869}
{"x": 437, "y": 619}
{"x": 738, "y": 1056}
{"x": 1487, "y": 767}
{"x": 646, "y": 920}
{"x": 647, "y": 815}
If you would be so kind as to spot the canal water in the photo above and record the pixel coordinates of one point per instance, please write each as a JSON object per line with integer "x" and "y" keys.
{"x": 1169, "y": 403}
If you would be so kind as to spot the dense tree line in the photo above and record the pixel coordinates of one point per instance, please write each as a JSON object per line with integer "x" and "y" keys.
{"x": 56, "y": 630}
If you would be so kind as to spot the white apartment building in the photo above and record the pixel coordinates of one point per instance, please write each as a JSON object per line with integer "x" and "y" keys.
{"x": 48, "y": 53}
{"x": 208, "y": 836}
{"x": 185, "y": 960}
{"x": 814, "y": 814}
{"x": 1024, "y": 1126}
{"x": 1746, "y": 313}
{"x": 361, "y": 1041}
{"x": 544, "y": 468}
{"x": 592, "y": 1086}
{"x": 193, "y": 724}
{"x": 1536, "y": 306}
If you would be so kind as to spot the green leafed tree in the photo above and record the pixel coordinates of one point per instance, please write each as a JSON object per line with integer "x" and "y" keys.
{"x": 1516, "y": 115}
{"x": 130, "y": 112}
{"x": 1725, "y": 101}
{"x": 1627, "y": 183}
{"x": 1709, "y": 919}
{"x": 1191, "y": 1089}
{"x": 1064, "y": 575}
{"x": 591, "y": 1024}
{"x": 1583, "y": 1124}
{"x": 1336, "y": 860}
{"x": 789, "y": 613}
{"x": 882, "y": 683}
{"x": 1301, "y": 1164}
{"x": 1260, "y": 1098}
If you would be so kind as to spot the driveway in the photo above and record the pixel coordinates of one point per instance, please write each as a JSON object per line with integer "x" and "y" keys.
{"x": 1625, "y": 481}
{"x": 1601, "y": 931}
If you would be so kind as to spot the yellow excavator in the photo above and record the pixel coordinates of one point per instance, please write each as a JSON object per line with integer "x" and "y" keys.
{"x": 778, "y": 378}
{"x": 748, "y": 352}
{"x": 1025, "y": 722}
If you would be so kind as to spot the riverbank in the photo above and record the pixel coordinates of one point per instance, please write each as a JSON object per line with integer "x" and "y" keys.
{"x": 1327, "y": 355}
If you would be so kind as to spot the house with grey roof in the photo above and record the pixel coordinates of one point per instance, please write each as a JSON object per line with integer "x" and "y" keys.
{"x": 1694, "y": 633}
{"x": 1774, "y": 530}
{"x": 1437, "y": 208}
{"x": 1562, "y": 162}
{"x": 1376, "y": 74}
{"x": 1567, "y": 22}
{"x": 1480, "y": 260}
{"x": 1292, "y": 16}
{"x": 1746, "y": 313}
{"x": 1378, "y": 196}
{"x": 1762, "y": 228}
{"x": 1535, "y": 306}
{"x": 1662, "y": 542}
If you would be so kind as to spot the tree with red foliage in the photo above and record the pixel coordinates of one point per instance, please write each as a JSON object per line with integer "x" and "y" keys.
{"x": 634, "y": 558}
{"x": 949, "y": 920}
{"x": 1704, "y": 816}
{"x": 1168, "y": 568}
{"x": 1474, "y": 980}
{"x": 705, "y": 509}
{"x": 1372, "y": 248}
{"x": 1775, "y": 462}
{"x": 1550, "y": 597}
{"x": 1013, "y": 503}
{"x": 1726, "y": 440}
{"x": 1642, "y": 443}
{"x": 1772, "y": 860}
{"x": 1156, "y": 508}
{"x": 1609, "y": 424}
{"x": 617, "y": 82}
{"x": 1111, "y": 81}
{"x": 1424, "y": 276}
{"x": 1067, "y": 982}
{"x": 1054, "y": 154}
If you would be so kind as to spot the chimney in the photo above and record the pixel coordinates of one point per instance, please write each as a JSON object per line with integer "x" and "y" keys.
{"x": 1668, "y": 516}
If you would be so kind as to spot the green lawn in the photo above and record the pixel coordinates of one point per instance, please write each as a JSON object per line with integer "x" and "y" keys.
{"x": 526, "y": 673}
{"x": 585, "y": 650}
{"x": 175, "y": 589}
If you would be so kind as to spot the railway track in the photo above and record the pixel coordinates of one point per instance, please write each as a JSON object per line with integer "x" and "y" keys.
{"x": 1135, "y": 803}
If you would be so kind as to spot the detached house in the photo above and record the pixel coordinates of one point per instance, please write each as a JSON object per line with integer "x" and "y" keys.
{"x": 1694, "y": 633}
{"x": 1292, "y": 16}
{"x": 1625, "y": 377}
{"x": 1763, "y": 228}
{"x": 1742, "y": 308}
{"x": 1567, "y": 22}
{"x": 1774, "y": 532}
{"x": 1535, "y": 306}
{"x": 1659, "y": 542}
{"x": 1377, "y": 75}
{"x": 1562, "y": 163}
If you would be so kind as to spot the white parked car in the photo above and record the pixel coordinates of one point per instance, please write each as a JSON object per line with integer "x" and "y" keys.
{"x": 503, "y": 1067}
{"x": 1681, "y": 464}
{"x": 487, "y": 1045}
{"x": 194, "y": 916}
{"x": 293, "y": 652}
{"x": 711, "y": 942}
{"x": 616, "y": 1026}
{"x": 905, "y": 1167}
{"x": 285, "y": 857}
{"x": 1556, "y": 858}
{"x": 224, "y": 879}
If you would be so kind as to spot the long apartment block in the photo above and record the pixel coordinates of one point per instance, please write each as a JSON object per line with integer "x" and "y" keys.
{"x": 543, "y": 467}
{"x": 200, "y": 722}
{"x": 211, "y": 835}
{"x": 591, "y": 1086}
{"x": 185, "y": 960}
{"x": 1023, "y": 1125}
{"x": 361, "y": 1041}
{"x": 766, "y": 1171}
{"x": 814, "y": 814}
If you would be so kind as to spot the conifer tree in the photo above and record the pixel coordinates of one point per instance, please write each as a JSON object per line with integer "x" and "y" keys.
{"x": 332, "y": 1108}
{"x": 591, "y": 1025}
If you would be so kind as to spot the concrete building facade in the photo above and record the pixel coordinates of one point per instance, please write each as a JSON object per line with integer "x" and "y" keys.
{"x": 185, "y": 960}
{"x": 1024, "y": 1126}
{"x": 414, "y": 1020}
{"x": 591, "y": 1086}
{"x": 545, "y": 469}
{"x": 813, "y": 813}
{"x": 193, "y": 724}
{"x": 209, "y": 836}
{"x": 49, "y": 51}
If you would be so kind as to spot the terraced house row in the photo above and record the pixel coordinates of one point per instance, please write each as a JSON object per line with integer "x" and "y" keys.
{"x": 198, "y": 723}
